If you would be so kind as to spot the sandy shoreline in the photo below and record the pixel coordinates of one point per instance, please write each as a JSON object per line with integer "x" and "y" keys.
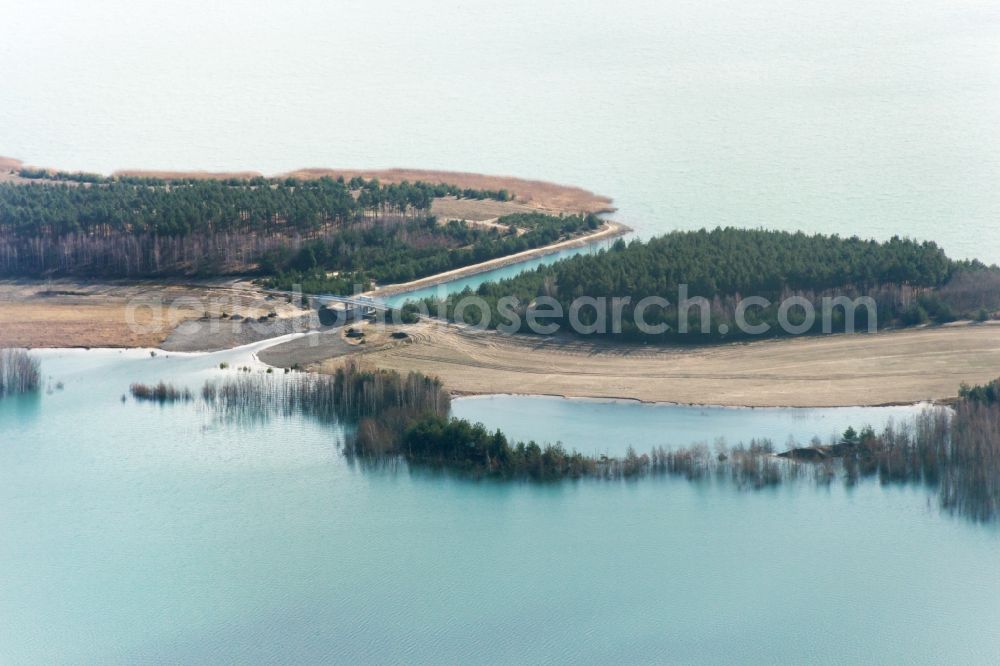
{"x": 895, "y": 367}
{"x": 674, "y": 403}
{"x": 75, "y": 313}
{"x": 79, "y": 313}
{"x": 85, "y": 313}
{"x": 892, "y": 367}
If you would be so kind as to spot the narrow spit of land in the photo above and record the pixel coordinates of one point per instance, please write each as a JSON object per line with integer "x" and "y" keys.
{"x": 892, "y": 367}
{"x": 609, "y": 230}
{"x": 74, "y": 312}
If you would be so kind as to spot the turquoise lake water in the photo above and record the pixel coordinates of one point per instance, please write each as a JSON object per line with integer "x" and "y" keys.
{"x": 852, "y": 117}
{"x": 138, "y": 534}
{"x": 473, "y": 281}
{"x": 144, "y": 534}
{"x": 611, "y": 426}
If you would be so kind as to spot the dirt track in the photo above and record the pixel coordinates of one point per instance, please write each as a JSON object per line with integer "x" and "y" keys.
{"x": 609, "y": 229}
{"x": 891, "y": 367}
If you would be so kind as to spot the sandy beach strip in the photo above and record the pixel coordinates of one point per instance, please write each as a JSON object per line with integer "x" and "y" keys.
{"x": 891, "y": 367}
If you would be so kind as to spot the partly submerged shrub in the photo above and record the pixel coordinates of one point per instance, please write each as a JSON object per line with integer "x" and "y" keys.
{"x": 19, "y": 372}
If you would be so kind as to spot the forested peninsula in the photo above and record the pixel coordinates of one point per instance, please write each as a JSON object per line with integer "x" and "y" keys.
{"x": 910, "y": 283}
{"x": 322, "y": 233}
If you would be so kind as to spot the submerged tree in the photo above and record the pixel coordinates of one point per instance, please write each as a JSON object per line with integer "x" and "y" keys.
{"x": 161, "y": 392}
{"x": 406, "y": 417}
{"x": 19, "y": 372}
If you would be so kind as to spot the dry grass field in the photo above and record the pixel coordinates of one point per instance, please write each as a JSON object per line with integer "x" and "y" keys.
{"x": 472, "y": 210}
{"x": 528, "y": 194}
{"x": 890, "y": 367}
{"x": 65, "y": 313}
{"x": 538, "y": 195}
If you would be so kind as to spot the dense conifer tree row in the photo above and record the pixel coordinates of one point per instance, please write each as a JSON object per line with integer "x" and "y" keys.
{"x": 295, "y": 231}
{"x": 912, "y": 282}
{"x": 182, "y": 207}
{"x": 411, "y": 250}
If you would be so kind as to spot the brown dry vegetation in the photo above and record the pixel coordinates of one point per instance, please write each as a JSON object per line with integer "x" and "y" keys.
{"x": 476, "y": 210}
{"x": 97, "y": 325}
{"x": 537, "y": 194}
{"x": 890, "y": 367}
{"x": 9, "y": 163}
{"x": 68, "y": 314}
{"x": 178, "y": 175}
{"x": 72, "y": 314}
{"x": 9, "y": 168}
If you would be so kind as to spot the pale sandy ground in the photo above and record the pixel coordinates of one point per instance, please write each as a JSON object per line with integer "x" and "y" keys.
{"x": 473, "y": 210}
{"x": 311, "y": 351}
{"x": 9, "y": 168}
{"x": 180, "y": 317}
{"x": 9, "y": 165}
{"x": 890, "y": 367}
{"x": 65, "y": 313}
{"x": 90, "y": 315}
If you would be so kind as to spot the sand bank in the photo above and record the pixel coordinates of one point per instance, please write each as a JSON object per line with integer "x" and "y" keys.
{"x": 826, "y": 371}
{"x": 72, "y": 313}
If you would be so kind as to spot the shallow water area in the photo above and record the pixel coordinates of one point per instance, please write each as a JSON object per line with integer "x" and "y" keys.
{"x": 132, "y": 531}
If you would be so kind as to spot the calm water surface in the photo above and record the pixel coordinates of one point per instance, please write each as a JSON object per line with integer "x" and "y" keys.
{"x": 134, "y": 533}
{"x": 852, "y": 117}
{"x": 439, "y": 291}
{"x": 144, "y": 533}
{"x": 611, "y": 426}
